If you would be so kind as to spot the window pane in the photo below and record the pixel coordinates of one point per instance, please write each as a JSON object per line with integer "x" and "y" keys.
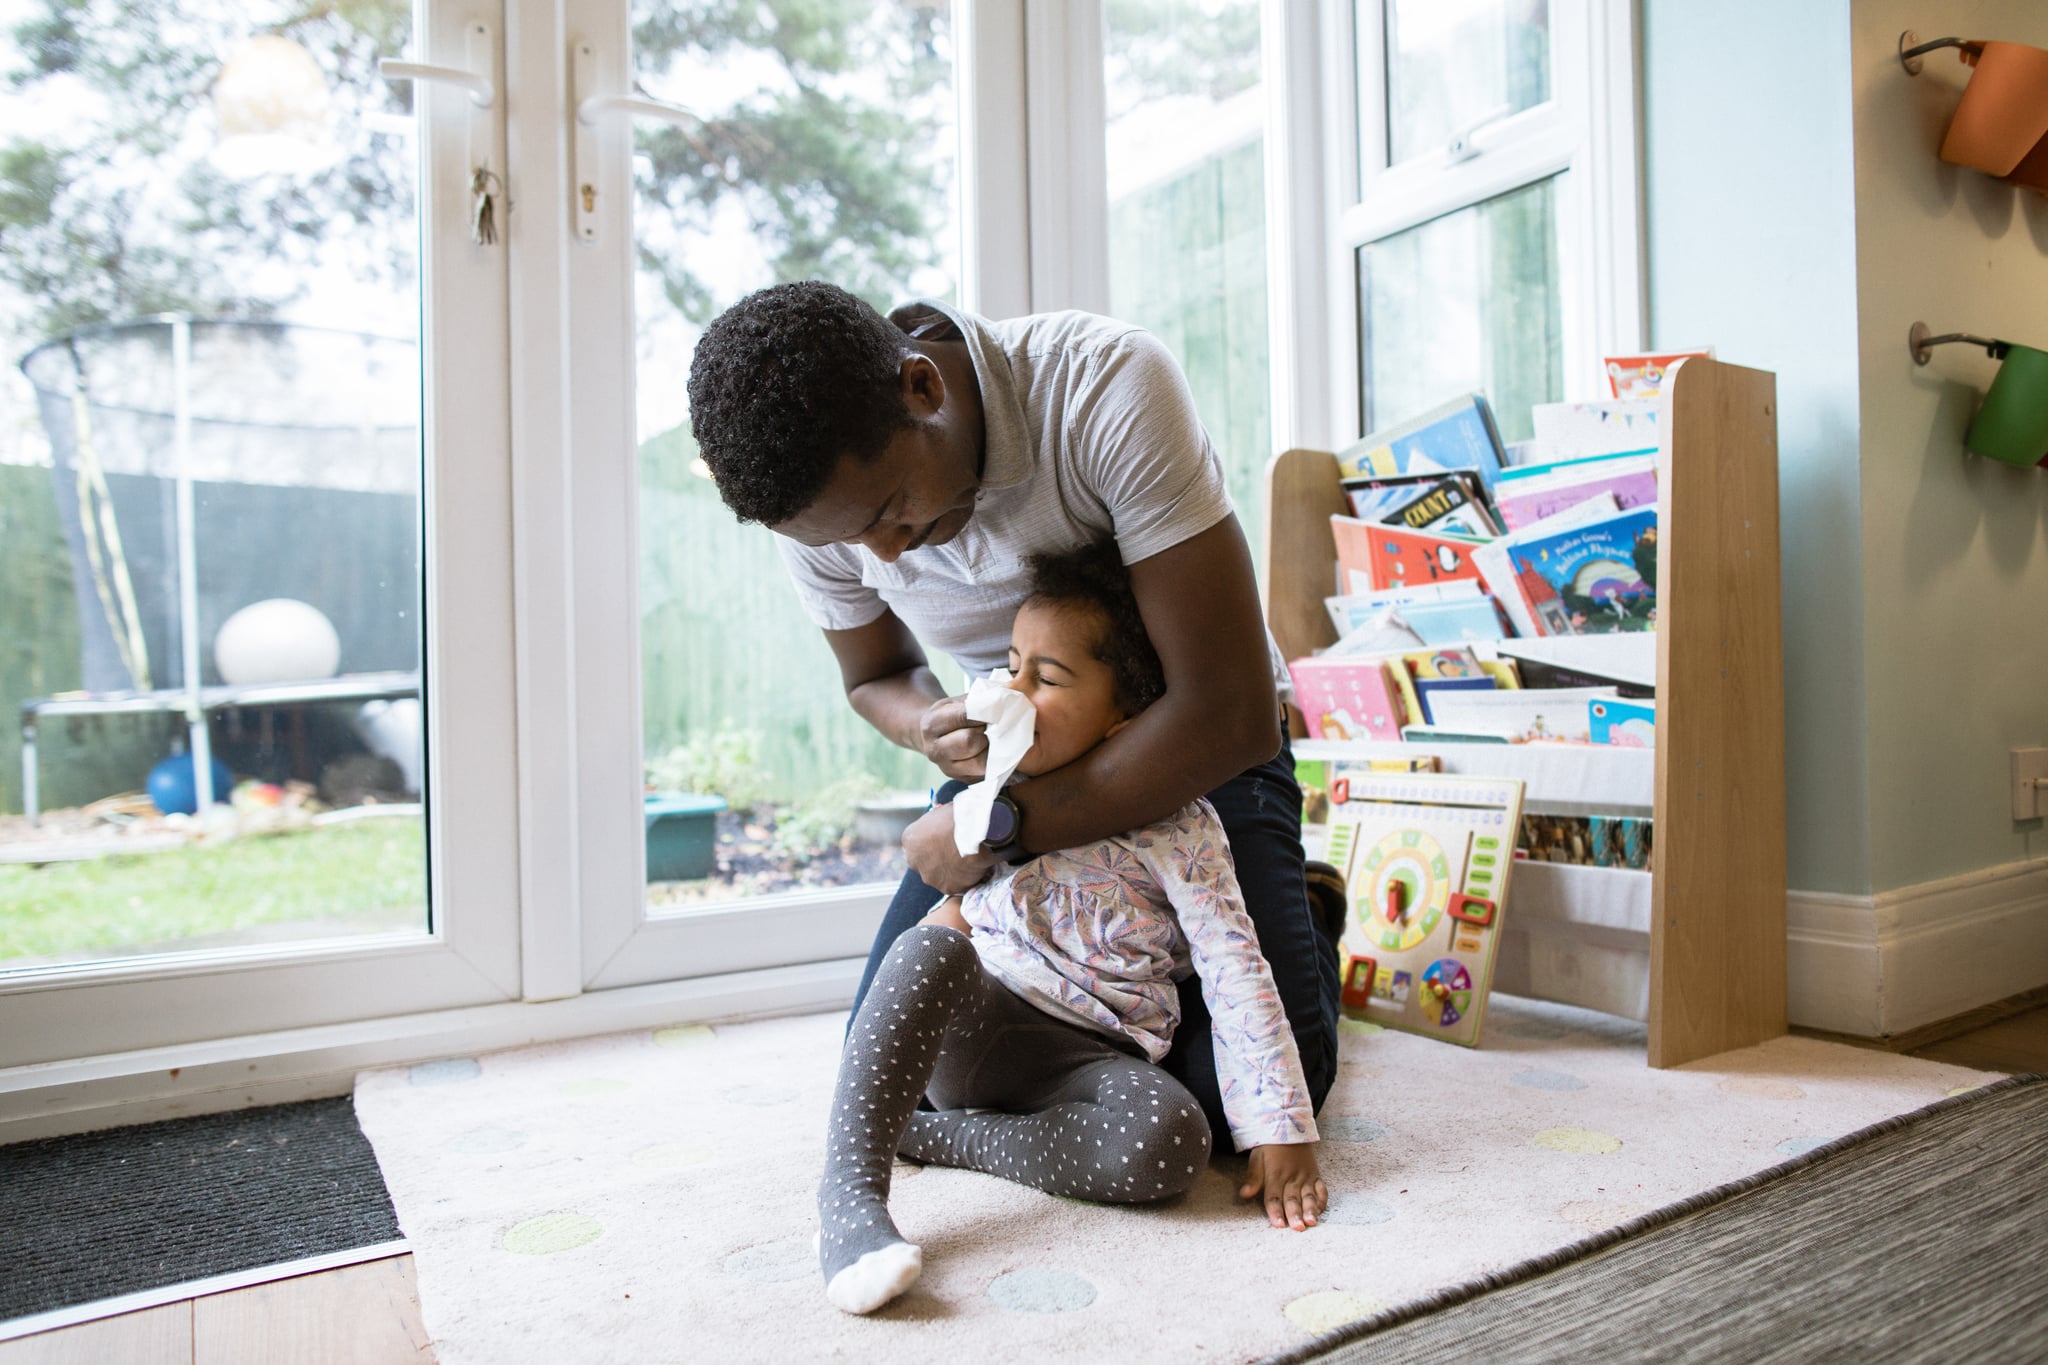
{"x": 1187, "y": 209}
{"x": 1451, "y": 63}
{"x": 826, "y": 150}
{"x": 1466, "y": 303}
{"x": 209, "y": 526}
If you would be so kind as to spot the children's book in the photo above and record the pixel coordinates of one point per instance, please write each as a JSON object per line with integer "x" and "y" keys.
{"x": 1569, "y": 430}
{"x": 1351, "y": 611}
{"x": 1444, "y": 734}
{"x": 1545, "y": 490}
{"x": 1539, "y": 674}
{"x": 1600, "y": 578}
{"x": 1377, "y": 558}
{"x": 1448, "y": 623}
{"x": 1371, "y": 497}
{"x": 1453, "y": 661}
{"x": 1526, "y": 716}
{"x": 1619, "y": 841}
{"x": 1642, "y": 375}
{"x": 1347, "y": 698}
{"x": 1629, "y": 661}
{"x": 1384, "y": 631}
{"x": 1459, "y": 435}
{"x": 1427, "y": 860}
{"x": 1629, "y": 724}
{"x": 1498, "y": 573}
{"x": 1427, "y": 689}
{"x": 1451, "y": 505}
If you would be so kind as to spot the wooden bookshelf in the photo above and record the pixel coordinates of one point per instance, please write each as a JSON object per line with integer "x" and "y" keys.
{"x": 1716, "y": 906}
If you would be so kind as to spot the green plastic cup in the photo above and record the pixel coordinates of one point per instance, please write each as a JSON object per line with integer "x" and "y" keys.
{"x": 2012, "y": 425}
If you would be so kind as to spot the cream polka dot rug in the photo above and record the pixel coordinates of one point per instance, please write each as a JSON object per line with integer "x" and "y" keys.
{"x": 647, "y": 1197}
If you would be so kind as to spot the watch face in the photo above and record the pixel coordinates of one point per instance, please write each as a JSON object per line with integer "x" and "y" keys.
{"x": 1002, "y": 822}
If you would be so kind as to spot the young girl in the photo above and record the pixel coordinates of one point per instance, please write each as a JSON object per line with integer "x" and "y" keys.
{"x": 1033, "y": 1009}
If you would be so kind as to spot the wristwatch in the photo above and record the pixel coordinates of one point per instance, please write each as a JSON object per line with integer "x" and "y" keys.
{"x": 1005, "y": 831}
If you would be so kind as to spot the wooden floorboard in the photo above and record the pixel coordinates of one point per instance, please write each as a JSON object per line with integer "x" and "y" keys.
{"x": 366, "y": 1314}
{"x": 2017, "y": 1044}
{"x": 369, "y": 1314}
{"x": 152, "y": 1336}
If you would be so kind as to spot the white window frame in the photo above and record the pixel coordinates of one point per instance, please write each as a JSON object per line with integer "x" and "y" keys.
{"x": 1586, "y": 135}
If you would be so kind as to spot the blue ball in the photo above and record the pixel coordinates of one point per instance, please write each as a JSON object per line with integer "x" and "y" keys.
{"x": 172, "y": 788}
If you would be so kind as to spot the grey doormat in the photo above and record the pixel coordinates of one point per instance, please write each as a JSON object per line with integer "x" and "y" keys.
{"x": 1923, "y": 1238}
{"x": 118, "y": 1212}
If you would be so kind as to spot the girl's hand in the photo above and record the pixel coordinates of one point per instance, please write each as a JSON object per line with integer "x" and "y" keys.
{"x": 1295, "y": 1193}
{"x": 947, "y": 915}
{"x": 957, "y": 745}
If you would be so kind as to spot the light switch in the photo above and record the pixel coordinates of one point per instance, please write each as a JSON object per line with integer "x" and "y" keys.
{"x": 2029, "y": 784}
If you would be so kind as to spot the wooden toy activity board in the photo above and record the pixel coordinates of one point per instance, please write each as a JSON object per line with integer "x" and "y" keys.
{"x": 1426, "y": 860}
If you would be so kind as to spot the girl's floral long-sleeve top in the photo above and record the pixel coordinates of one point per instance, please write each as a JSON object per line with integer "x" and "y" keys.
{"x": 1102, "y": 933}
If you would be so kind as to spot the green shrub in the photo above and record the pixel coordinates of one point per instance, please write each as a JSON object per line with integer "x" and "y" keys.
{"x": 724, "y": 763}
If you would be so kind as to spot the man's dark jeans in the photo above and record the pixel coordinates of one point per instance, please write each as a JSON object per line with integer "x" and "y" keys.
{"x": 1261, "y": 813}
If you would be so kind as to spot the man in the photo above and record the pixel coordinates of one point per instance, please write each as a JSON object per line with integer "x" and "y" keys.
{"x": 910, "y": 465}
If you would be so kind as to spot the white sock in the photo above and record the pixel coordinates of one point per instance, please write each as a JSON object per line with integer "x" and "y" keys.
{"x": 875, "y": 1278}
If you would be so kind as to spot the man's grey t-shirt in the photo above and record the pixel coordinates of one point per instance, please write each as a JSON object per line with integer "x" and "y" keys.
{"x": 1090, "y": 432}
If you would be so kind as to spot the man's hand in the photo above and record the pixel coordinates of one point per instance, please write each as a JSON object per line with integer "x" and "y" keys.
{"x": 928, "y": 845}
{"x": 1295, "y": 1193}
{"x": 958, "y": 746}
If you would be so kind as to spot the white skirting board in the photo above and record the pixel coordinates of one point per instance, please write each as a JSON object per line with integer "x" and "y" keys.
{"x": 1867, "y": 966}
{"x": 1874, "y": 966}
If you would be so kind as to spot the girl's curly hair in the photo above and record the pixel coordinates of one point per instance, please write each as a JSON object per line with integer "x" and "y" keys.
{"x": 1094, "y": 576}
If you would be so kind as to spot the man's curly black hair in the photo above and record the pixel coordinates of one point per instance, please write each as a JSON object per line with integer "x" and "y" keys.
{"x": 784, "y": 384}
{"x": 1094, "y": 576}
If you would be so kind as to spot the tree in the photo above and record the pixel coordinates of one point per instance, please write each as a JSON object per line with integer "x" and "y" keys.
{"x": 123, "y": 213}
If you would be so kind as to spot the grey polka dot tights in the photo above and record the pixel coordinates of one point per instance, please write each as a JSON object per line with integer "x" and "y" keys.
{"x": 1056, "y": 1106}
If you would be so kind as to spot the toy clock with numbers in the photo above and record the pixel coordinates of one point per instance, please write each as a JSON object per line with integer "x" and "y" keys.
{"x": 1426, "y": 860}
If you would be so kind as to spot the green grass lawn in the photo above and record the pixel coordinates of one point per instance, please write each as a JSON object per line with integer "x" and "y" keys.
{"x": 365, "y": 876}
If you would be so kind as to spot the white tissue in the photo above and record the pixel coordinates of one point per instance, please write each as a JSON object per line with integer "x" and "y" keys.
{"x": 1011, "y": 722}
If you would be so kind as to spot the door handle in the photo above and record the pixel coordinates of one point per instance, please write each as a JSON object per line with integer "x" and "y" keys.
{"x": 587, "y": 199}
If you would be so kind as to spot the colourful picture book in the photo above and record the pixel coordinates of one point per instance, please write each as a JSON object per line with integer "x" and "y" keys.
{"x": 1454, "y": 661}
{"x": 1497, "y": 570}
{"x": 1546, "y": 490}
{"x": 1377, "y": 558}
{"x": 1527, "y": 716}
{"x": 1428, "y": 689}
{"x": 1629, "y": 724}
{"x": 1459, "y": 435}
{"x": 1567, "y": 431}
{"x": 1641, "y": 375}
{"x": 1448, "y": 623}
{"x": 1626, "y": 660}
{"x": 1344, "y": 698}
{"x": 1349, "y": 612}
{"x": 1595, "y": 579}
{"x": 1451, "y": 505}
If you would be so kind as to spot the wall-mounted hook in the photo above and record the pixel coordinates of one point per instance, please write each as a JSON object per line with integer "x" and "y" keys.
{"x": 1921, "y": 340}
{"x": 1911, "y": 50}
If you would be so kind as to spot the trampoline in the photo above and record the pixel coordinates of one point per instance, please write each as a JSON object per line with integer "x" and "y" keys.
{"x": 200, "y": 466}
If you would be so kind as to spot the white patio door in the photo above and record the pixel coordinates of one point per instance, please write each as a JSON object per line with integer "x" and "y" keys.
{"x": 732, "y": 811}
{"x": 293, "y": 192}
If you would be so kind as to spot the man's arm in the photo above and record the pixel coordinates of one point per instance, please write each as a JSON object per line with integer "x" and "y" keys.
{"x": 890, "y": 686}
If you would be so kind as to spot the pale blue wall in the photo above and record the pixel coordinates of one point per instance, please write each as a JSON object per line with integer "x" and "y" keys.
{"x": 1750, "y": 216}
{"x": 1955, "y": 546}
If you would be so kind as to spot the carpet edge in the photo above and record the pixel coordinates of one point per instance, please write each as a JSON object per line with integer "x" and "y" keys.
{"x": 1589, "y": 1246}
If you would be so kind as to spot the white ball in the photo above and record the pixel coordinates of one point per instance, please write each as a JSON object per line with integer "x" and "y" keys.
{"x": 278, "y": 640}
